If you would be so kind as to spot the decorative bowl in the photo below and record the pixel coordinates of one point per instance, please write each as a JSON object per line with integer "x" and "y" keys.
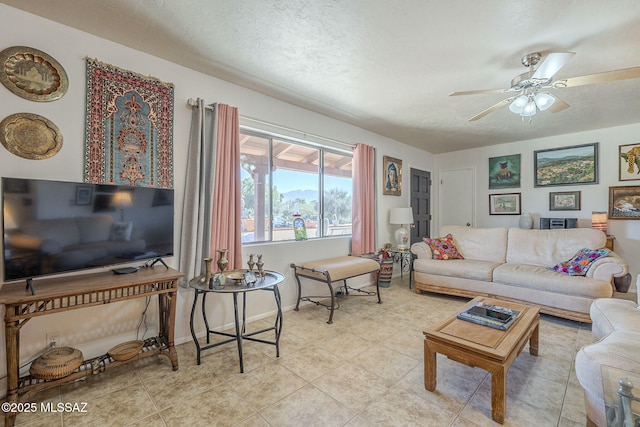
{"x": 56, "y": 363}
{"x": 236, "y": 275}
{"x": 126, "y": 350}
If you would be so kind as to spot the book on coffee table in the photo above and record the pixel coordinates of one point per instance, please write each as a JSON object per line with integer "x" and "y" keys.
{"x": 493, "y": 316}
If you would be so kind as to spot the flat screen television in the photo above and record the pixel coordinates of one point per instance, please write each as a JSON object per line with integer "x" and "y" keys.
{"x": 52, "y": 227}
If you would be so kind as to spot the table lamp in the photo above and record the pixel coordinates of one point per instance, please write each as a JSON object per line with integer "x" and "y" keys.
{"x": 121, "y": 200}
{"x": 599, "y": 221}
{"x": 401, "y": 216}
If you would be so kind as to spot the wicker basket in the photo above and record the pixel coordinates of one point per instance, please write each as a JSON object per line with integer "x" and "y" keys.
{"x": 56, "y": 363}
{"x": 126, "y": 350}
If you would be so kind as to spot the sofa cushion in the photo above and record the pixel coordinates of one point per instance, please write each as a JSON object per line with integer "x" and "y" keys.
{"x": 579, "y": 264}
{"x": 443, "y": 248}
{"x": 462, "y": 268}
{"x": 542, "y": 279}
{"x": 549, "y": 247}
{"x": 121, "y": 231}
{"x": 482, "y": 244}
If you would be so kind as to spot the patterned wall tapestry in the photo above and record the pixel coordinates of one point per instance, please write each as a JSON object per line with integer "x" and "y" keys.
{"x": 129, "y": 128}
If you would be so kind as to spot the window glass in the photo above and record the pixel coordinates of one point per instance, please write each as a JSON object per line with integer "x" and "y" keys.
{"x": 255, "y": 195}
{"x": 337, "y": 193}
{"x": 282, "y": 181}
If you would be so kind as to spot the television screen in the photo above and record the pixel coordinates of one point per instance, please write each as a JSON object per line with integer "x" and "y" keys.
{"x": 53, "y": 227}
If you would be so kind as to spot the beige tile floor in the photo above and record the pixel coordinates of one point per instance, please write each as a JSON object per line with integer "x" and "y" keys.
{"x": 364, "y": 370}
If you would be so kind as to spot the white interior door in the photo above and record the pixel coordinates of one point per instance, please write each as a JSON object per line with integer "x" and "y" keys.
{"x": 456, "y": 197}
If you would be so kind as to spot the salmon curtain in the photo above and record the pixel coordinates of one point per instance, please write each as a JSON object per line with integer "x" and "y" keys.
{"x": 363, "y": 210}
{"x": 225, "y": 227}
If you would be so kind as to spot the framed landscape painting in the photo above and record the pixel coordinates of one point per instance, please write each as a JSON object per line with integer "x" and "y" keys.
{"x": 564, "y": 201}
{"x": 629, "y": 158}
{"x": 504, "y": 204}
{"x": 504, "y": 172}
{"x": 624, "y": 202}
{"x": 576, "y": 165}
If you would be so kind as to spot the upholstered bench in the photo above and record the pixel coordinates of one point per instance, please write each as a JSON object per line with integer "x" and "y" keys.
{"x": 333, "y": 270}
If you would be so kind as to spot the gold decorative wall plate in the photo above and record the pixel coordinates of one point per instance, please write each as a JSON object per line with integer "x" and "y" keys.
{"x": 32, "y": 74}
{"x": 30, "y": 136}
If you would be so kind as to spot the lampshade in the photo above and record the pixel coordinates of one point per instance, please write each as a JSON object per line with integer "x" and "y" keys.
{"x": 518, "y": 104}
{"x": 122, "y": 199}
{"x": 544, "y": 100}
{"x": 599, "y": 221}
{"x": 401, "y": 216}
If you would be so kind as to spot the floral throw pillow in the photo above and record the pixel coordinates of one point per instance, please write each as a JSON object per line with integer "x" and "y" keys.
{"x": 581, "y": 261}
{"x": 443, "y": 248}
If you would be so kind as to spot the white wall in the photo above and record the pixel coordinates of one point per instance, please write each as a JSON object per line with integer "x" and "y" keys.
{"x": 95, "y": 330}
{"x": 536, "y": 200}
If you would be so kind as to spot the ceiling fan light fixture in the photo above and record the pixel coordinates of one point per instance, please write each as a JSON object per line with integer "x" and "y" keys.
{"x": 530, "y": 109}
{"x": 544, "y": 100}
{"x": 518, "y": 104}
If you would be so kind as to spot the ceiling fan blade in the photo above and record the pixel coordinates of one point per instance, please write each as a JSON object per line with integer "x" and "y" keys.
{"x": 491, "y": 109}
{"x": 552, "y": 64}
{"x": 558, "y": 105}
{"x": 607, "y": 76}
{"x": 476, "y": 92}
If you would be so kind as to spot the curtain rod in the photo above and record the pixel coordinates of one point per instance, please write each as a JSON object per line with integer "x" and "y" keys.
{"x": 192, "y": 103}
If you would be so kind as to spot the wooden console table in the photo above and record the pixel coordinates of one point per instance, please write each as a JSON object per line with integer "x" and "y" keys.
{"x": 55, "y": 295}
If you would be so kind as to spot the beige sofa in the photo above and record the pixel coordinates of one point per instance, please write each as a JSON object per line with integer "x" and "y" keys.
{"x": 616, "y": 336}
{"x": 512, "y": 264}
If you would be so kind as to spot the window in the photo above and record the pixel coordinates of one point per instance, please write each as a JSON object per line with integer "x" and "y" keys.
{"x": 283, "y": 178}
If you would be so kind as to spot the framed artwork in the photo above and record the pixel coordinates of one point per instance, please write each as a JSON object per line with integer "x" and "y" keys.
{"x": 564, "y": 201}
{"x": 83, "y": 195}
{"x": 575, "y": 165}
{"x": 392, "y": 180}
{"x": 629, "y": 158}
{"x": 624, "y": 202}
{"x": 505, "y": 204}
{"x": 504, "y": 172}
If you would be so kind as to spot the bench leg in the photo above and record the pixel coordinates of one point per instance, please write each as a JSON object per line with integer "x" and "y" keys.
{"x": 333, "y": 301}
{"x": 295, "y": 273}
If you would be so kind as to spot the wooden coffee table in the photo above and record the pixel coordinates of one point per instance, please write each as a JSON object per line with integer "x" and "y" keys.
{"x": 484, "y": 347}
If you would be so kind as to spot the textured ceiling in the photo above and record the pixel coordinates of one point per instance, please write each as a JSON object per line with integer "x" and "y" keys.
{"x": 388, "y": 66}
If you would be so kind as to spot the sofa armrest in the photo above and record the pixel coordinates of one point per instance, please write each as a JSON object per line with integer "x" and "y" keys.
{"x": 421, "y": 250}
{"x": 25, "y": 241}
{"x": 608, "y": 267}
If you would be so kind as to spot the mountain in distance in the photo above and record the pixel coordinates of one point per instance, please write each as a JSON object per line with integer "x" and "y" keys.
{"x": 543, "y": 161}
{"x": 301, "y": 194}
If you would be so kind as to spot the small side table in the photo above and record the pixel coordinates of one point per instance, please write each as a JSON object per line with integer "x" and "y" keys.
{"x": 610, "y": 242}
{"x": 405, "y": 258}
{"x": 269, "y": 282}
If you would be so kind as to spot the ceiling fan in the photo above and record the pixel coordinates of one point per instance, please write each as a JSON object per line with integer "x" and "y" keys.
{"x": 530, "y": 89}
